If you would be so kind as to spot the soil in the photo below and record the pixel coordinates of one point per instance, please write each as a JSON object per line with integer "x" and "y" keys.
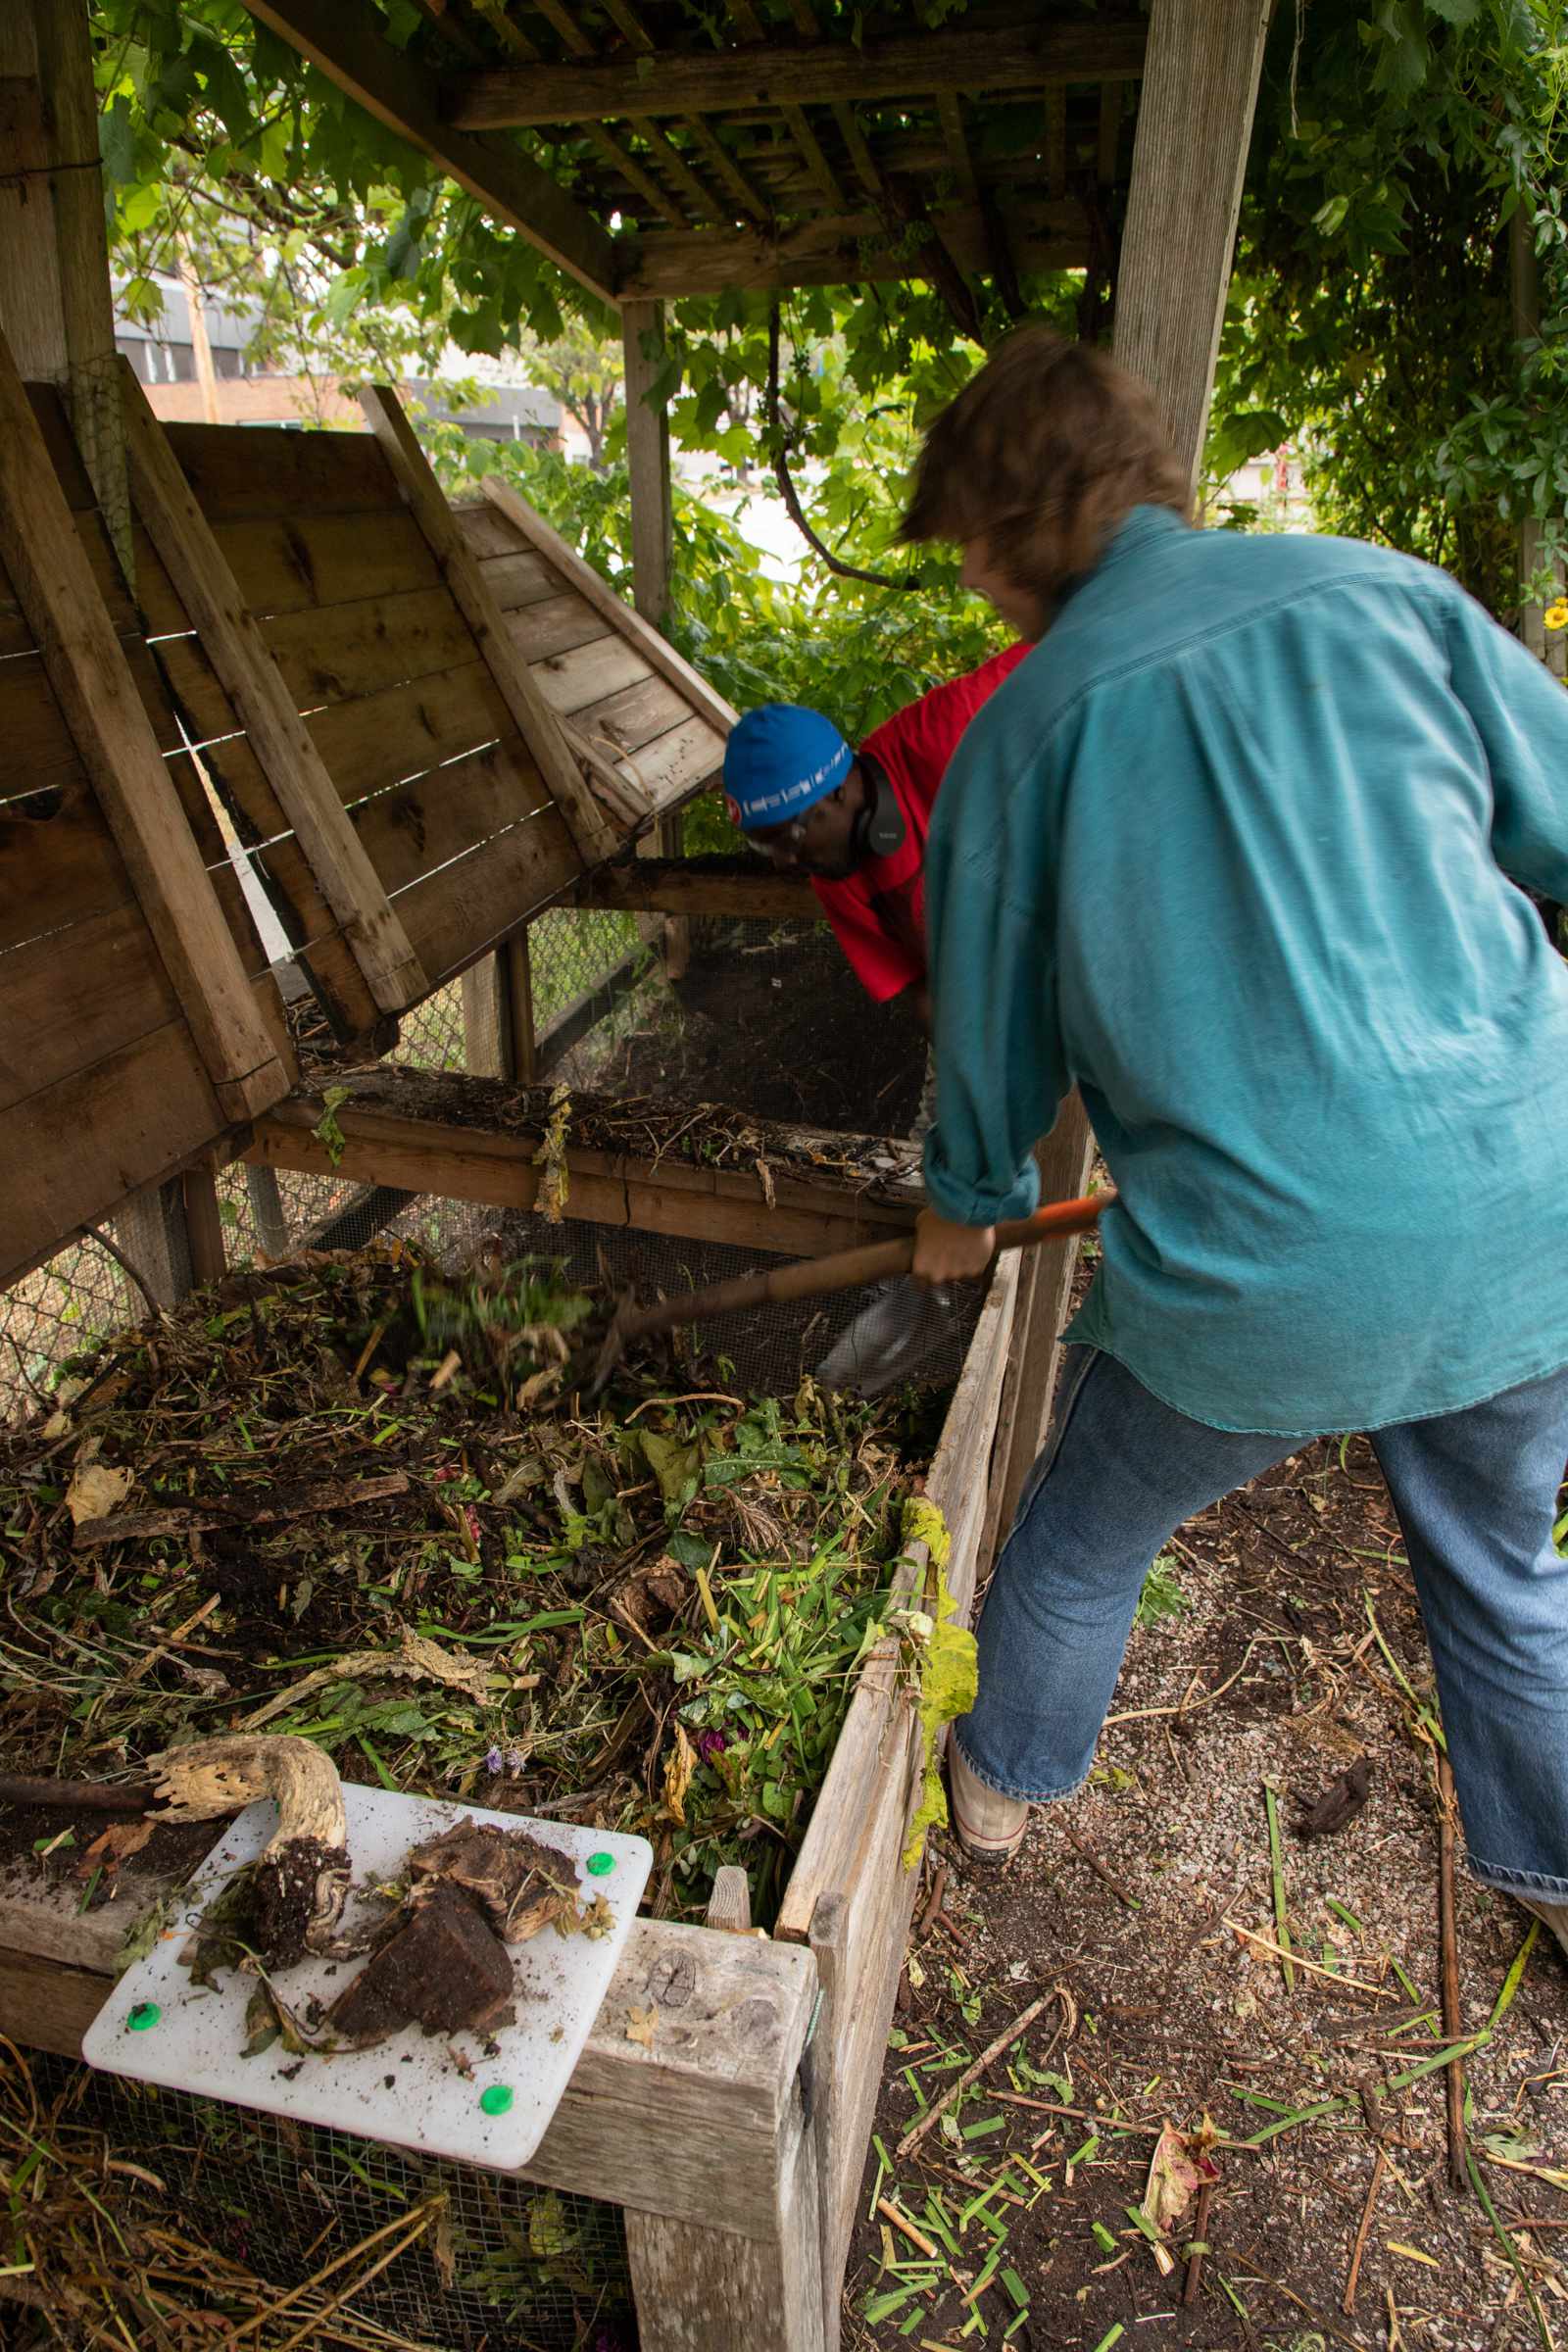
{"x": 781, "y": 1024}
{"x": 1119, "y": 1911}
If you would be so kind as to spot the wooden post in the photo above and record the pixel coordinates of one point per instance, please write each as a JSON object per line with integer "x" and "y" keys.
{"x": 1195, "y": 122}
{"x": 204, "y": 1223}
{"x": 267, "y": 1210}
{"x": 642, "y": 326}
{"x": 710, "y": 2290}
{"x": 498, "y": 1031}
{"x": 201, "y": 345}
{"x": 55, "y": 301}
{"x": 150, "y": 1227}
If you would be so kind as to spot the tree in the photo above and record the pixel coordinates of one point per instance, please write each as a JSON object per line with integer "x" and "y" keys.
{"x": 586, "y": 377}
{"x": 1370, "y": 315}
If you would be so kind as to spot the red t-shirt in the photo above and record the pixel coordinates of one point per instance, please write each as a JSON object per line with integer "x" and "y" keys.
{"x": 879, "y": 911}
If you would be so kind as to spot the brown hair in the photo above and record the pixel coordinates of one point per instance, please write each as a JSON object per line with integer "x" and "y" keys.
{"x": 1040, "y": 458}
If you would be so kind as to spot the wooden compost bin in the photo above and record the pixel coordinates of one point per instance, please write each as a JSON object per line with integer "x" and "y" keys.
{"x": 736, "y": 2142}
{"x": 286, "y": 587}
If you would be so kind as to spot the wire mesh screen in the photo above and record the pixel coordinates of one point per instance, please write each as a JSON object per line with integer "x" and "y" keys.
{"x": 501, "y": 2265}
{"x": 765, "y": 1015}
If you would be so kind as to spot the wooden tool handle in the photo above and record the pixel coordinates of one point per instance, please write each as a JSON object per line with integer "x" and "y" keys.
{"x": 846, "y": 1269}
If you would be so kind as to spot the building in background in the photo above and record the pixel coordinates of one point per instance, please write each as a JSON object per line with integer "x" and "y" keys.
{"x": 167, "y": 355}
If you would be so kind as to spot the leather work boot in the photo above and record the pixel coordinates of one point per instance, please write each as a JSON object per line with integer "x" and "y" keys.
{"x": 989, "y": 1828}
{"x": 1551, "y": 1915}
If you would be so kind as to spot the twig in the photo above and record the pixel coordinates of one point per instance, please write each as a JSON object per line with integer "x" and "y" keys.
{"x": 939, "y": 1887}
{"x": 1098, "y": 1868}
{"x": 901, "y": 2220}
{"x": 1448, "y": 1940}
{"x": 971, "y": 2074}
{"x": 1348, "y": 2304}
{"x": 81, "y": 1797}
{"x": 1334, "y": 1976}
{"x": 96, "y": 1234}
{"x": 1195, "y": 2259}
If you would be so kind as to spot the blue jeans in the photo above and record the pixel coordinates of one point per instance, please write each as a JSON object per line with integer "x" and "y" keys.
{"x": 1475, "y": 1493}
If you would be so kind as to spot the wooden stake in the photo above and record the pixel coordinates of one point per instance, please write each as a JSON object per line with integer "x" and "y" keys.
{"x": 86, "y": 667}
{"x": 971, "y": 2074}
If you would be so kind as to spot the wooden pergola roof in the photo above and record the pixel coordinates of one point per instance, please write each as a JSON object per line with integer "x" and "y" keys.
{"x": 651, "y": 158}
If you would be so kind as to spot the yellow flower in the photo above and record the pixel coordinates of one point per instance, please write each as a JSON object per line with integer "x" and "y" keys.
{"x": 1555, "y": 616}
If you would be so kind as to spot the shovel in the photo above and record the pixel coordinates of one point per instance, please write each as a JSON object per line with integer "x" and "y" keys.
{"x": 817, "y": 1278}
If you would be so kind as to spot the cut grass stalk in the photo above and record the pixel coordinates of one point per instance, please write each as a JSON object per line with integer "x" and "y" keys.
{"x": 1277, "y": 1874}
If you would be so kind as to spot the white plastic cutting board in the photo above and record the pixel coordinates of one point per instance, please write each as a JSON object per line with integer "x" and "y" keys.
{"x": 413, "y": 2090}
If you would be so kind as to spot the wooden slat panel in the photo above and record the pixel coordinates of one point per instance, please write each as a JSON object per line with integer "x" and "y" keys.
{"x": 519, "y": 576}
{"x": 673, "y": 763}
{"x": 455, "y": 915}
{"x": 283, "y": 567}
{"x": 331, "y": 656}
{"x": 572, "y": 681}
{"x": 486, "y": 531}
{"x": 69, "y": 999}
{"x": 384, "y": 737}
{"x": 636, "y": 714}
{"x": 40, "y": 755}
{"x": 58, "y": 865}
{"x": 239, "y": 475}
{"x": 533, "y": 532}
{"x": 555, "y": 625}
{"x": 69, "y": 1154}
{"x": 438, "y": 817}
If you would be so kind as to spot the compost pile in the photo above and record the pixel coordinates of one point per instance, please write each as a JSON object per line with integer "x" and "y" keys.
{"x": 355, "y": 1499}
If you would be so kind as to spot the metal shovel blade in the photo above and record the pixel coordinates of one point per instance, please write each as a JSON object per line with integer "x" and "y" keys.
{"x": 888, "y": 1342}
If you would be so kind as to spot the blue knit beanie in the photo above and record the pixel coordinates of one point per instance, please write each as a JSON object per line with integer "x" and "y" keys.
{"x": 778, "y": 761}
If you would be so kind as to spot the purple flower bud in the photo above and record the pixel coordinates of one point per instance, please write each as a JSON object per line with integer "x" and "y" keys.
{"x": 493, "y": 1760}
{"x": 515, "y": 1759}
{"x": 709, "y": 1744}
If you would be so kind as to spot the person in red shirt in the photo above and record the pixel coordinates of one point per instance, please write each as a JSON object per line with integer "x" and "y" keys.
{"x": 855, "y": 823}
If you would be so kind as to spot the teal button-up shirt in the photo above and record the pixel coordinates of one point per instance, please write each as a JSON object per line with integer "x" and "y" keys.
{"x": 1235, "y": 852}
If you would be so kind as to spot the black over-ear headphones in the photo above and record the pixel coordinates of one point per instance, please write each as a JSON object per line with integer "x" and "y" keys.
{"x": 879, "y": 826}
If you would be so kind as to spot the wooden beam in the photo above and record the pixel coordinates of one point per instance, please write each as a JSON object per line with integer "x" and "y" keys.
{"x": 642, "y": 327}
{"x": 56, "y": 301}
{"x": 278, "y": 736}
{"x": 700, "y": 886}
{"x": 847, "y": 249}
{"x": 85, "y": 664}
{"x": 204, "y": 1224}
{"x": 1024, "y": 56}
{"x": 715, "y": 2098}
{"x": 1194, "y": 123}
{"x": 348, "y": 46}
{"x": 467, "y": 1139}
{"x": 535, "y": 721}
{"x": 656, "y": 649}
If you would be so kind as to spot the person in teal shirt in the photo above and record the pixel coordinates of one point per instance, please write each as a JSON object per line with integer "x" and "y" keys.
{"x": 1241, "y": 855}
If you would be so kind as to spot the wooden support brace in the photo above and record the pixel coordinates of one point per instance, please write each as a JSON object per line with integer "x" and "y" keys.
{"x": 279, "y": 737}
{"x": 535, "y": 721}
{"x": 86, "y": 667}
{"x": 498, "y": 1028}
{"x": 700, "y": 886}
{"x": 485, "y": 1154}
